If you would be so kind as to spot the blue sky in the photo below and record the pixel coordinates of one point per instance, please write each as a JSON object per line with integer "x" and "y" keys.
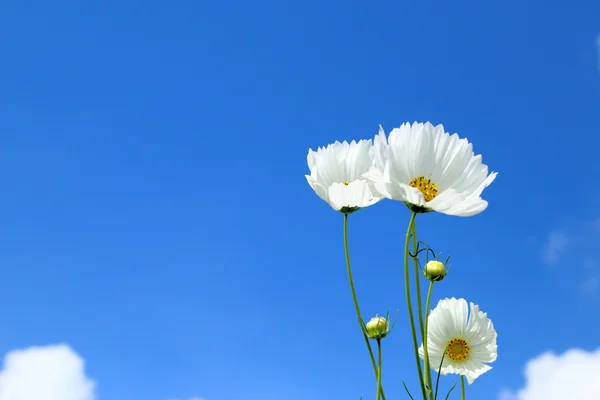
{"x": 156, "y": 218}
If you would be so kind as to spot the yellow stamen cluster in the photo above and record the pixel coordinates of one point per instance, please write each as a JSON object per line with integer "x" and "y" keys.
{"x": 425, "y": 186}
{"x": 457, "y": 350}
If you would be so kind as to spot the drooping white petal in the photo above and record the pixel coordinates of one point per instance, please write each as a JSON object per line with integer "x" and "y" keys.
{"x": 316, "y": 186}
{"x": 470, "y": 369}
{"x": 355, "y": 194}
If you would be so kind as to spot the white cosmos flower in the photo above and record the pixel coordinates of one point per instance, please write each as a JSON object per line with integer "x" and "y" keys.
{"x": 428, "y": 169}
{"x": 336, "y": 175}
{"x": 468, "y": 342}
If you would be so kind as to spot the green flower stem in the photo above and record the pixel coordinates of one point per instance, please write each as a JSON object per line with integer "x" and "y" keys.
{"x": 418, "y": 280}
{"x": 422, "y": 325}
{"x": 378, "y": 396}
{"x": 409, "y": 304}
{"x": 358, "y": 315}
{"x": 427, "y": 367}
{"x": 439, "y": 373}
{"x": 462, "y": 386}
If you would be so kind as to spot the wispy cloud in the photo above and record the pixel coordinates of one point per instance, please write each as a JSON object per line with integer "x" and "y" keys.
{"x": 556, "y": 243}
{"x": 572, "y": 375}
{"x": 582, "y": 241}
{"x": 45, "y": 373}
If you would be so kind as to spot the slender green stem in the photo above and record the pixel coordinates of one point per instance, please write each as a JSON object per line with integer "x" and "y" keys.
{"x": 409, "y": 304}
{"x": 462, "y": 386}
{"x": 439, "y": 373}
{"x": 378, "y": 396}
{"x": 427, "y": 367}
{"x": 418, "y": 280}
{"x": 422, "y": 325}
{"x": 358, "y": 315}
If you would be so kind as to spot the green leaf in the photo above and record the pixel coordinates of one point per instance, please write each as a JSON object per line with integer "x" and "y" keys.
{"x": 451, "y": 389}
{"x": 408, "y": 391}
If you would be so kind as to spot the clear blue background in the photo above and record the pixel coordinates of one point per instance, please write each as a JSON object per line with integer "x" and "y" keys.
{"x": 155, "y": 214}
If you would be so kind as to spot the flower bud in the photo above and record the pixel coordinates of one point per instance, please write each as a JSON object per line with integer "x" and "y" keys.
{"x": 435, "y": 270}
{"x": 377, "y": 328}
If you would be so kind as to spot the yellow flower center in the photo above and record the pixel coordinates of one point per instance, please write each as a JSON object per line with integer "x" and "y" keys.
{"x": 346, "y": 183}
{"x": 457, "y": 350}
{"x": 425, "y": 186}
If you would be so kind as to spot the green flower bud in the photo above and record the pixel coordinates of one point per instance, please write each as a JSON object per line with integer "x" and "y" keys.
{"x": 435, "y": 270}
{"x": 377, "y": 328}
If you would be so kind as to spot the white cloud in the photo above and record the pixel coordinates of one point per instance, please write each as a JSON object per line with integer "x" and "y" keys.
{"x": 45, "y": 373}
{"x": 572, "y": 375}
{"x": 556, "y": 244}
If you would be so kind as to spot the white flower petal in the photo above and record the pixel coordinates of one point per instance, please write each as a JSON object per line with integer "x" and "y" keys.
{"x": 355, "y": 194}
{"x": 456, "y": 314}
{"x": 379, "y": 150}
{"x": 319, "y": 190}
{"x": 481, "y": 336}
{"x": 467, "y": 208}
{"x": 413, "y": 195}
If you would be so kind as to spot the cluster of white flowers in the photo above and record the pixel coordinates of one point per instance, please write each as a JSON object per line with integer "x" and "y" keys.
{"x": 418, "y": 164}
{"x": 429, "y": 170}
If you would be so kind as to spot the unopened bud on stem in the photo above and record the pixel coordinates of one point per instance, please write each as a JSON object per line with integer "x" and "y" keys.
{"x": 377, "y": 328}
{"x": 435, "y": 270}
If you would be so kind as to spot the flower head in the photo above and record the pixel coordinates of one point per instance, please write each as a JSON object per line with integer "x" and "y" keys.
{"x": 435, "y": 270}
{"x": 377, "y": 328}
{"x": 429, "y": 170}
{"x": 336, "y": 175}
{"x": 466, "y": 342}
